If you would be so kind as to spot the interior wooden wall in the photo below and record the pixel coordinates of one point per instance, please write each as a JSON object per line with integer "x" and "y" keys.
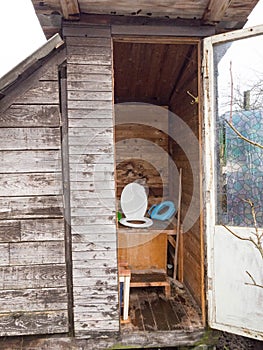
{"x": 33, "y": 287}
{"x": 183, "y": 106}
{"x": 142, "y": 150}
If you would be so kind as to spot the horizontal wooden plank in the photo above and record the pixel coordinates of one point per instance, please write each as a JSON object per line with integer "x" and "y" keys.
{"x": 94, "y": 246}
{"x": 90, "y": 86}
{"x": 92, "y": 255}
{"x": 173, "y": 31}
{"x": 44, "y": 322}
{"x": 46, "y": 92}
{"x": 96, "y": 230}
{"x": 31, "y": 230}
{"x": 97, "y": 203}
{"x": 91, "y": 159}
{"x": 33, "y": 299}
{"x": 97, "y": 185}
{"x": 90, "y": 220}
{"x": 83, "y": 327}
{"x": 90, "y": 291}
{"x": 84, "y": 50}
{"x": 100, "y": 280}
{"x": 89, "y": 96}
{"x": 30, "y": 161}
{"x": 92, "y": 150}
{"x": 101, "y": 197}
{"x": 42, "y": 230}
{"x": 87, "y": 41}
{"x": 30, "y": 184}
{"x": 35, "y": 276}
{"x": 87, "y": 31}
{"x": 31, "y": 253}
{"x": 92, "y": 211}
{"x": 30, "y": 116}
{"x": 92, "y": 133}
{"x": 10, "y": 231}
{"x": 29, "y": 138}
{"x": 4, "y": 254}
{"x": 86, "y": 123}
{"x": 96, "y": 299}
{"x": 95, "y": 176}
{"x": 95, "y": 272}
{"x": 92, "y": 114}
{"x": 89, "y": 104}
{"x": 108, "y": 315}
{"x": 78, "y": 72}
{"x": 98, "y": 139}
{"x": 97, "y": 238}
{"x": 89, "y": 58}
{"x": 31, "y": 207}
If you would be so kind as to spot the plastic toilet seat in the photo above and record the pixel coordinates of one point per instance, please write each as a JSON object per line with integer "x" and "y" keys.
{"x": 134, "y": 204}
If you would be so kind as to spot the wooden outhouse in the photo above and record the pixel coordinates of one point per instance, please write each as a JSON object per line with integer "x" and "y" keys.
{"x": 126, "y": 92}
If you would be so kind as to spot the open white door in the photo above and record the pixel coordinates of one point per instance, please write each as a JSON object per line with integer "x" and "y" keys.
{"x": 233, "y": 175}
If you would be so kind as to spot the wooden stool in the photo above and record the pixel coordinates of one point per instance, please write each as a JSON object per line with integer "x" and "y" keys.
{"x": 125, "y": 278}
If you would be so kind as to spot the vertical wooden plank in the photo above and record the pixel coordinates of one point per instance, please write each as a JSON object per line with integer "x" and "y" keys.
{"x": 91, "y": 161}
{"x": 66, "y": 192}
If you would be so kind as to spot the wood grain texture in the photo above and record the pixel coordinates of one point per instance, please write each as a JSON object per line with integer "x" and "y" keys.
{"x": 31, "y": 207}
{"x": 30, "y": 116}
{"x": 31, "y": 184}
{"x": 30, "y": 161}
{"x": 91, "y": 161}
{"x": 34, "y": 276}
{"x": 33, "y": 287}
{"x": 43, "y": 322}
{"x": 29, "y": 138}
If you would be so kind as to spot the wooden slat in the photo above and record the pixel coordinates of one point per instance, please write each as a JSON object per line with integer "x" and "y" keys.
{"x": 4, "y": 254}
{"x": 24, "y": 300}
{"x": 42, "y": 230}
{"x": 30, "y": 184}
{"x": 90, "y": 86}
{"x": 87, "y": 31}
{"x": 30, "y": 207}
{"x": 47, "y": 92}
{"x": 29, "y": 138}
{"x": 33, "y": 323}
{"x": 31, "y": 253}
{"x": 30, "y": 116}
{"x": 34, "y": 276}
{"x": 174, "y": 31}
{"x": 216, "y": 10}
{"x": 30, "y": 161}
{"x": 70, "y": 9}
{"x": 10, "y": 231}
{"x": 82, "y": 42}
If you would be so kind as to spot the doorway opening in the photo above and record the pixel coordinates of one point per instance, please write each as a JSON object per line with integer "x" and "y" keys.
{"x": 157, "y": 133}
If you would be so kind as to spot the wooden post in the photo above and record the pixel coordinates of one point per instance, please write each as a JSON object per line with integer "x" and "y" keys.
{"x": 178, "y": 229}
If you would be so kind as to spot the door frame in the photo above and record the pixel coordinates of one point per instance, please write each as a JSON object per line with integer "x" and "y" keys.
{"x": 209, "y": 162}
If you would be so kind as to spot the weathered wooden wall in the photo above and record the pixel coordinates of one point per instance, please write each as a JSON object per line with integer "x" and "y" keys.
{"x": 189, "y": 160}
{"x": 33, "y": 288}
{"x": 91, "y": 159}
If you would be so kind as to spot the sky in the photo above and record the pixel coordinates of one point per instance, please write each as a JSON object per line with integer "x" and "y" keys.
{"x": 21, "y": 35}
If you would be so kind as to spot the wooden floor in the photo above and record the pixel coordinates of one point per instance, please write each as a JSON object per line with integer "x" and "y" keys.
{"x": 151, "y": 311}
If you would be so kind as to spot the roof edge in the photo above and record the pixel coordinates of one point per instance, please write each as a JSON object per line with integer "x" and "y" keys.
{"x": 53, "y": 43}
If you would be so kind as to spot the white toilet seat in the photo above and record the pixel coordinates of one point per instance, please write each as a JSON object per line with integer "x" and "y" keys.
{"x": 134, "y": 204}
{"x": 129, "y": 222}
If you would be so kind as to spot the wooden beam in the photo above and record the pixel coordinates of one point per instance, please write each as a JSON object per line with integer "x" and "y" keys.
{"x": 70, "y": 9}
{"x": 216, "y": 10}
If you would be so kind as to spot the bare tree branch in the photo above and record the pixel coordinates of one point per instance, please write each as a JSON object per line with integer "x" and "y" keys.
{"x": 242, "y": 136}
{"x": 253, "y": 280}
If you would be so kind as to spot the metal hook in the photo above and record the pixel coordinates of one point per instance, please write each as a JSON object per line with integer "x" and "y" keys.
{"x": 194, "y": 99}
